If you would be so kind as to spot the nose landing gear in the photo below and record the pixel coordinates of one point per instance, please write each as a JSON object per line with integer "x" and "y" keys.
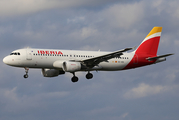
{"x": 26, "y": 71}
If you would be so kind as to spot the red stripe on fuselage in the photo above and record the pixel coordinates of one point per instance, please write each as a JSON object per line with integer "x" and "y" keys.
{"x": 139, "y": 61}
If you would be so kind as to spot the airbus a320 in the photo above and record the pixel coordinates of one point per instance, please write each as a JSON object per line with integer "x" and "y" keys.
{"x": 54, "y": 62}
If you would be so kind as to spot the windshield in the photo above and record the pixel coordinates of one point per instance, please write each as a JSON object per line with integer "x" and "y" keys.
{"x": 15, "y": 53}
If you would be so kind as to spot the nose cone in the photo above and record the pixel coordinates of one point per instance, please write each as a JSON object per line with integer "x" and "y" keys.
{"x": 5, "y": 60}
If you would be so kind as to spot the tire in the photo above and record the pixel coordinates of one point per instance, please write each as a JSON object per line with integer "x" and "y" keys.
{"x": 25, "y": 76}
{"x": 89, "y": 76}
{"x": 74, "y": 79}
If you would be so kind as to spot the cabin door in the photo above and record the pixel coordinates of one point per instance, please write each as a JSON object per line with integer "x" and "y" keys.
{"x": 28, "y": 54}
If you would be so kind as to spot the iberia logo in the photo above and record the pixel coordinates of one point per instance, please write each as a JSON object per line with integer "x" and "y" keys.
{"x": 49, "y": 52}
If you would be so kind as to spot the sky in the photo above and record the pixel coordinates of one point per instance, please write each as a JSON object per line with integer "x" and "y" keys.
{"x": 149, "y": 93}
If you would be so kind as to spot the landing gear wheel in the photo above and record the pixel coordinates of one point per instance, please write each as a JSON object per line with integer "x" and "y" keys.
{"x": 74, "y": 79}
{"x": 26, "y": 71}
{"x": 25, "y": 76}
{"x": 89, "y": 76}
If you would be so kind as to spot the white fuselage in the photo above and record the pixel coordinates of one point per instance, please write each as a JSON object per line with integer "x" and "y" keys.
{"x": 47, "y": 58}
{"x": 55, "y": 62}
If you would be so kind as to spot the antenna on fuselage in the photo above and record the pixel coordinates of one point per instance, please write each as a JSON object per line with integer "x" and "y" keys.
{"x": 27, "y": 47}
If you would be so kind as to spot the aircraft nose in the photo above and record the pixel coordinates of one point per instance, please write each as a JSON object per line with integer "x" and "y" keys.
{"x": 5, "y": 60}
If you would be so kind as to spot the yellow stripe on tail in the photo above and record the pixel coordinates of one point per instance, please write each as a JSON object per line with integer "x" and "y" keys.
{"x": 154, "y": 30}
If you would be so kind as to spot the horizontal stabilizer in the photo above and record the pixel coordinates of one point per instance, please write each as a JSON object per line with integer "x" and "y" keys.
{"x": 161, "y": 56}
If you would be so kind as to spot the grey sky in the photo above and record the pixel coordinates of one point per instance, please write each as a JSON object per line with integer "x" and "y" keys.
{"x": 144, "y": 93}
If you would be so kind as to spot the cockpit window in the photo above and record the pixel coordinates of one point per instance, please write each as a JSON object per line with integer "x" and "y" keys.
{"x": 16, "y": 53}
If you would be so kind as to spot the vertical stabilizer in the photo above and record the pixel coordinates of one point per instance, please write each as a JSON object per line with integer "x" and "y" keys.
{"x": 149, "y": 45}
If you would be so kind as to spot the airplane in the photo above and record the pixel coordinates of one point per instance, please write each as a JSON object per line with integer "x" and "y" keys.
{"x": 54, "y": 62}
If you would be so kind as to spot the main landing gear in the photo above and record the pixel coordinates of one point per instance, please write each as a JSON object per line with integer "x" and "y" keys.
{"x": 26, "y": 71}
{"x": 89, "y": 75}
{"x": 75, "y": 78}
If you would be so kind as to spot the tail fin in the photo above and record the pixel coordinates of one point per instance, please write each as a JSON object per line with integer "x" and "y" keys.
{"x": 150, "y": 44}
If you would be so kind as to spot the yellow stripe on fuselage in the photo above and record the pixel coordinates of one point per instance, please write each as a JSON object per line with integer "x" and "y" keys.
{"x": 155, "y": 30}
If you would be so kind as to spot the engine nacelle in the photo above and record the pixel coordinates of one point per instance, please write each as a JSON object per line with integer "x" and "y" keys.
{"x": 71, "y": 66}
{"x": 51, "y": 72}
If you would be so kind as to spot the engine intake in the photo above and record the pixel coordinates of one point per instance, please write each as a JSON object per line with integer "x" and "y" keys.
{"x": 71, "y": 66}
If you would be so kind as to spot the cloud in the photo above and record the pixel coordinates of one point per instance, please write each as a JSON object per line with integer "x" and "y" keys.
{"x": 76, "y": 19}
{"x": 169, "y": 7}
{"x": 144, "y": 90}
{"x": 20, "y": 7}
{"x": 14, "y": 103}
{"x": 89, "y": 25}
{"x": 124, "y": 115}
{"x": 100, "y": 111}
{"x": 83, "y": 33}
{"x": 124, "y": 16}
{"x": 16, "y": 7}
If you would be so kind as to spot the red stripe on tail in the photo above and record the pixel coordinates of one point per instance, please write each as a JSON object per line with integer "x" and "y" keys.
{"x": 149, "y": 47}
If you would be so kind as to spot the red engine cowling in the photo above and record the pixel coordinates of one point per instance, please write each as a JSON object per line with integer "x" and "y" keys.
{"x": 51, "y": 72}
{"x": 71, "y": 66}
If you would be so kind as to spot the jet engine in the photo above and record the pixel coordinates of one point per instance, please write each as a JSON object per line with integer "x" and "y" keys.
{"x": 71, "y": 66}
{"x": 51, "y": 72}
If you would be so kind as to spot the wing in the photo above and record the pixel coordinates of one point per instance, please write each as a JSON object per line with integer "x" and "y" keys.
{"x": 91, "y": 62}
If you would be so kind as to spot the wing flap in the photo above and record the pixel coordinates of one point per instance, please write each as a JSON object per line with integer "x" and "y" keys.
{"x": 91, "y": 62}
